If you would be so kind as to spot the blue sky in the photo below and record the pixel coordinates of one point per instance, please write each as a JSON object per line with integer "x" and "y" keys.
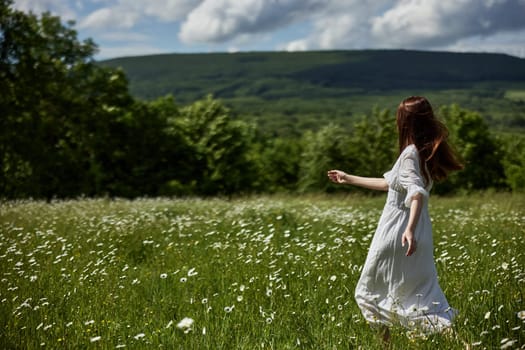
{"x": 141, "y": 27}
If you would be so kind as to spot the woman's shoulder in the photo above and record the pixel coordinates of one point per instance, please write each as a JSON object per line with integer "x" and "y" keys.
{"x": 410, "y": 148}
{"x": 410, "y": 151}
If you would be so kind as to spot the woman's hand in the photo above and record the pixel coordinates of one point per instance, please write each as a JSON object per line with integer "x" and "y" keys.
{"x": 340, "y": 177}
{"x": 408, "y": 237}
{"x": 337, "y": 176}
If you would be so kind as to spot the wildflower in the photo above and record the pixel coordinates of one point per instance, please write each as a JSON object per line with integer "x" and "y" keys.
{"x": 204, "y": 301}
{"x": 95, "y": 339}
{"x": 163, "y": 275}
{"x": 487, "y": 315}
{"x": 229, "y": 309}
{"x": 521, "y": 314}
{"x": 185, "y": 324}
{"x": 239, "y": 298}
{"x": 507, "y": 343}
{"x": 183, "y": 280}
{"x": 333, "y": 278}
{"x": 192, "y": 272}
{"x": 140, "y": 335}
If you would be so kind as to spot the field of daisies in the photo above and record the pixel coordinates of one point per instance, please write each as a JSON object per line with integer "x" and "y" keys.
{"x": 249, "y": 273}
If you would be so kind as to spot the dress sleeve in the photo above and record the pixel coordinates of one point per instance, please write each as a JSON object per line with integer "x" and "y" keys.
{"x": 389, "y": 177}
{"x": 410, "y": 176}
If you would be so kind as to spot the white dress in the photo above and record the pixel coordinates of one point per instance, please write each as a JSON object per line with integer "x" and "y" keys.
{"x": 395, "y": 288}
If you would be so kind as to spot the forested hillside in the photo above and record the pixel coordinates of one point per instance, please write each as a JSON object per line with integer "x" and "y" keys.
{"x": 312, "y": 88}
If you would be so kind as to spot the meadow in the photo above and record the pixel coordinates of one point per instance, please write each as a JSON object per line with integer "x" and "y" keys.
{"x": 261, "y": 272}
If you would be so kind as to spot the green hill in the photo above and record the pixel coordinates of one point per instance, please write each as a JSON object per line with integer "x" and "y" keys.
{"x": 311, "y": 88}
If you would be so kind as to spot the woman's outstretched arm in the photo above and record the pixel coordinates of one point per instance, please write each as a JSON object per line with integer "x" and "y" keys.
{"x": 373, "y": 183}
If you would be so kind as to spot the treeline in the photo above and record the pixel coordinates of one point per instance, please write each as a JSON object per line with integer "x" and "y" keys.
{"x": 70, "y": 127}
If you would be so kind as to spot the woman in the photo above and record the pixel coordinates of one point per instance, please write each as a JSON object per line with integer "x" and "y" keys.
{"x": 399, "y": 282}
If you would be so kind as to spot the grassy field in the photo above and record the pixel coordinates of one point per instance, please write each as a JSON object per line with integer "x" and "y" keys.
{"x": 252, "y": 273}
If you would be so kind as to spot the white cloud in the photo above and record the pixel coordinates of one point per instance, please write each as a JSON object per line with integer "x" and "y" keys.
{"x": 460, "y": 25}
{"x": 296, "y": 45}
{"x": 57, "y": 7}
{"x": 223, "y": 20}
{"x": 431, "y": 23}
{"x": 338, "y": 30}
{"x": 512, "y": 43}
{"x": 340, "y": 25}
{"x": 128, "y": 13}
{"x": 168, "y": 10}
{"x": 127, "y": 50}
{"x": 109, "y": 18}
{"x": 336, "y": 24}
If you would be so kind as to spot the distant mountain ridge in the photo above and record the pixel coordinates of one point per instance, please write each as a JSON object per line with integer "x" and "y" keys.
{"x": 272, "y": 75}
{"x": 286, "y": 93}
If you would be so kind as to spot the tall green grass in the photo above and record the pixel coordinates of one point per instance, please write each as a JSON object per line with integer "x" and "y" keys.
{"x": 252, "y": 273}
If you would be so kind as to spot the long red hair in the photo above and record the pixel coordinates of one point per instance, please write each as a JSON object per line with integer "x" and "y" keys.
{"x": 417, "y": 125}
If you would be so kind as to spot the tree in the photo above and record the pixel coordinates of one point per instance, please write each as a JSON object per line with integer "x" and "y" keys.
{"x": 481, "y": 154}
{"x": 323, "y": 150}
{"x": 279, "y": 160}
{"x": 175, "y": 158}
{"x": 514, "y": 161}
{"x": 141, "y": 155}
{"x": 367, "y": 150}
{"x": 57, "y": 107}
{"x": 221, "y": 147}
{"x": 373, "y": 144}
